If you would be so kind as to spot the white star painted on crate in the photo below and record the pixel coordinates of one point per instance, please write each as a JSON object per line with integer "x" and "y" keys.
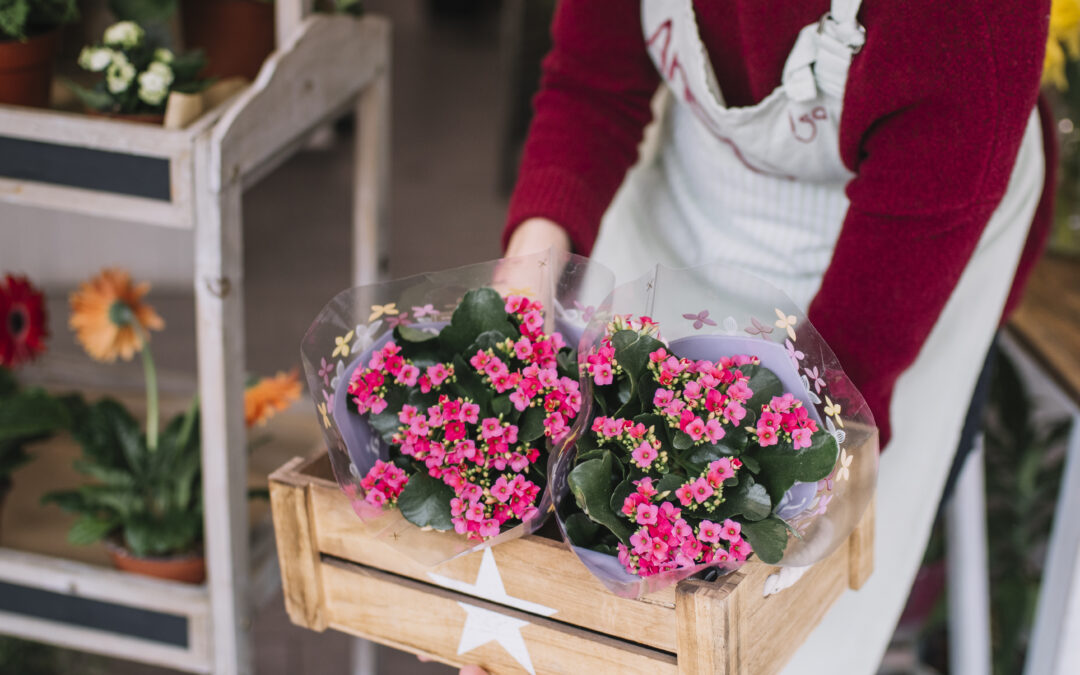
{"x": 483, "y": 625}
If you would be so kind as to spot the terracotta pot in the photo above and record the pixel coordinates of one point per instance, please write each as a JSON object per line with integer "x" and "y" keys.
{"x": 236, "y": 35}
{"x": 189, "y": 568}
{"x": 140, "y": 118}
{"x": 26, "y": 69}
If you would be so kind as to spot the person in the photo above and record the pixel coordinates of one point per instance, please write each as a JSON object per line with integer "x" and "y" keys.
{"x": 885, "y": 164}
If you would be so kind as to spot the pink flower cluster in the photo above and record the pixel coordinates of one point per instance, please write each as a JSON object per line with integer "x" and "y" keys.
{"x": 707, "y": 491}
{"x": 383, "y": 483}
{"x": 664, "y": 540}
{"x": 387, "y": 366}
{"x": 478, "y": 455}
{"x": 640, "y": 442}
{"x": 785, "y": 416}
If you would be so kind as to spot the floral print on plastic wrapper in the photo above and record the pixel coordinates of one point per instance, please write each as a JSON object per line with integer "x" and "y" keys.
{"x": 441, "y": 396}
{"x": 716, "y": 426}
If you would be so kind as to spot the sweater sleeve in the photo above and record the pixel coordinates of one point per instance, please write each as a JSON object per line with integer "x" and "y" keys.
{"x": 593, "y": 105}
{"x": 932, "y": 153}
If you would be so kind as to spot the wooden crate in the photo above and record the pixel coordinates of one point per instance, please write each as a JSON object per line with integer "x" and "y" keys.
{"x": 529, "y": 605}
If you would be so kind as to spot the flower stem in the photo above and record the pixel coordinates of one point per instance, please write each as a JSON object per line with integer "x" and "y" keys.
{"x": 152, "y": 412}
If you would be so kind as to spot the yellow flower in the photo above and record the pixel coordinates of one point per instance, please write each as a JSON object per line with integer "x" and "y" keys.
{"x": 844, "y": 472}
{"x": 785, "y": 322}
{"x": 342, "y": 342}
{"x": 103, "y": 311}
{"x": 389, "y": 309}
{"x": 1064, "y": 30}
{"x": 325, "y": 415}
{"x": 270, "y": 396}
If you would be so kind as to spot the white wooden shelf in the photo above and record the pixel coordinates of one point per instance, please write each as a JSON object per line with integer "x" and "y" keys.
{"x": 324, "y": 66}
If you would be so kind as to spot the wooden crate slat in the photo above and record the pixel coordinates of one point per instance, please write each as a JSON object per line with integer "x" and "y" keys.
{"x": 52, "y": 126}
{"x": 533, "y": 569}
{"x": 429, "y": 620}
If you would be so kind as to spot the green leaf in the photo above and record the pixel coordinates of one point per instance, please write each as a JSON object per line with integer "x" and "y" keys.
{"x": 590, "y": 481}
{"x": 682, "y": 441}
{"x": 143, "y": 11}
{"x": 31, "y": 414}
{"x": 531, "y": 425}
{"x": 581, "y": 530}
{"x": 480, "y": 311}
{"x": 748, "y": 499}
{"x": 669, "y": 483}
{"x": 764, "y": 383}
{"x": 768, "y": 538}
{"x": 619, "y": 495}
{"x": 632, "y": 351}
{"x": 782, "y": 466}
{"x": 501, "y": 405}
{"x": 420, "y": 347}
{"x": 95, "y": 99}
{"x": 406, "y": 333}
{"x": 425, "y": 502}
{"x": 90, "y": 530}
{"x": 699, "y": 458}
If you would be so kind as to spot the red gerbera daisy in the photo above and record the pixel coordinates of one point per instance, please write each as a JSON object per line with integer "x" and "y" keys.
{"x": 23, "y": 327}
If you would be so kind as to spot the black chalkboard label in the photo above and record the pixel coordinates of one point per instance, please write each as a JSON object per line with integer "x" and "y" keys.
{"x": 101, "y": 170}
{"x": 160, "y": 627}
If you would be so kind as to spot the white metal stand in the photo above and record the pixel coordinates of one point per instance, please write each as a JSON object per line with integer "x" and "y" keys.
{"x": 324, "y": 66}
{"x": 968, "y": 570}
{"x": 1055, "y": 637}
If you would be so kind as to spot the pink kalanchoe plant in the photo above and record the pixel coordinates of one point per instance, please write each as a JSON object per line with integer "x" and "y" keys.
{"x": 685, "y": 462}
{"x": 467, "y": 410}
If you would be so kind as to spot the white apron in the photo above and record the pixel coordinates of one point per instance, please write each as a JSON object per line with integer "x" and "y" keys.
{"x": 761, "y": 189}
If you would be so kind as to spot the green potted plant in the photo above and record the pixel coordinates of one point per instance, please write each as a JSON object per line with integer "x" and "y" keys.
{"x": 26, "y": 415}
{"x": 137, "y": 74}
{"x": 145, "y": 495}
{"x": 29, "y": 42}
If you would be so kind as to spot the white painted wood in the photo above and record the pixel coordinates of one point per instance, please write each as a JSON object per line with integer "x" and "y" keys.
{"x": 968, "y": 570}
{"x": 99, "y": 133}
{"x": 288, "y": 15}
{"x": 1055, "y": 649}
{"x": 95, "y": 203}
{"x": 220, "y": 335}
{"x": 323, "y": 67}
{"x": 100, "y": 583}
{"x": 103, "y": 642}
{"x": 372, "y": 179}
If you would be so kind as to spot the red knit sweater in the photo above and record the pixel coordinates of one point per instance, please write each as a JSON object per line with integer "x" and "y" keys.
{"x": 934, "y": 112}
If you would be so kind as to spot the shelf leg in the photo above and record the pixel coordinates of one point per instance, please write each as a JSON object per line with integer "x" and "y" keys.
{"x": 1054, "y": 647}
{"x": 968, "y": 570}
{"x": 220, "y": 333}
{"x": 371, "y": 180}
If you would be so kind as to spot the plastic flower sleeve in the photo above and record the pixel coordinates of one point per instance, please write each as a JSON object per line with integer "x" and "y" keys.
{"x": 706, "y": 313}
{"x": 359, "y": 324}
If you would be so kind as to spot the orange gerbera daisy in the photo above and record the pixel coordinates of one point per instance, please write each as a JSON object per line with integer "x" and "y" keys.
{"x": 270, "y": 396}
{"x": 103, "y": 313}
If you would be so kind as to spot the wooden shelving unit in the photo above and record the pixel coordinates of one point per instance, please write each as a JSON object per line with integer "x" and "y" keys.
{"x": 194, "y": 179}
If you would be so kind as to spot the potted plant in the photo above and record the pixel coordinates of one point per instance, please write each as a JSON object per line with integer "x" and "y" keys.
{"x": 145, "y": 500}
{"x": 137, "y": 74}
{"x": 236, "y": 35}
{"x": 29, "y": 42}
{"x": 26, "y": 415}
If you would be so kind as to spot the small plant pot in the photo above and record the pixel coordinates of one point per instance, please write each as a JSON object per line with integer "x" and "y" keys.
{"x": 26, "y": 69}
{"x": 189, "y": 568}
{"x": 235, "y": 35}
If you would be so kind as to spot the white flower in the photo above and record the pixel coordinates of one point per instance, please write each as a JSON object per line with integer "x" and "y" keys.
{"x": 126, "y": 34}
{"x": 163, "y": 55}
{"x": 120, "y": 74}
{"x": 95, "y": 59}
{"x": 154, "y": 83}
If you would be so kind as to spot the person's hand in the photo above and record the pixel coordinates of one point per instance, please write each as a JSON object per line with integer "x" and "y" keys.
{"x": 472, "y": 670}
{"x": 536, "y": 235}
